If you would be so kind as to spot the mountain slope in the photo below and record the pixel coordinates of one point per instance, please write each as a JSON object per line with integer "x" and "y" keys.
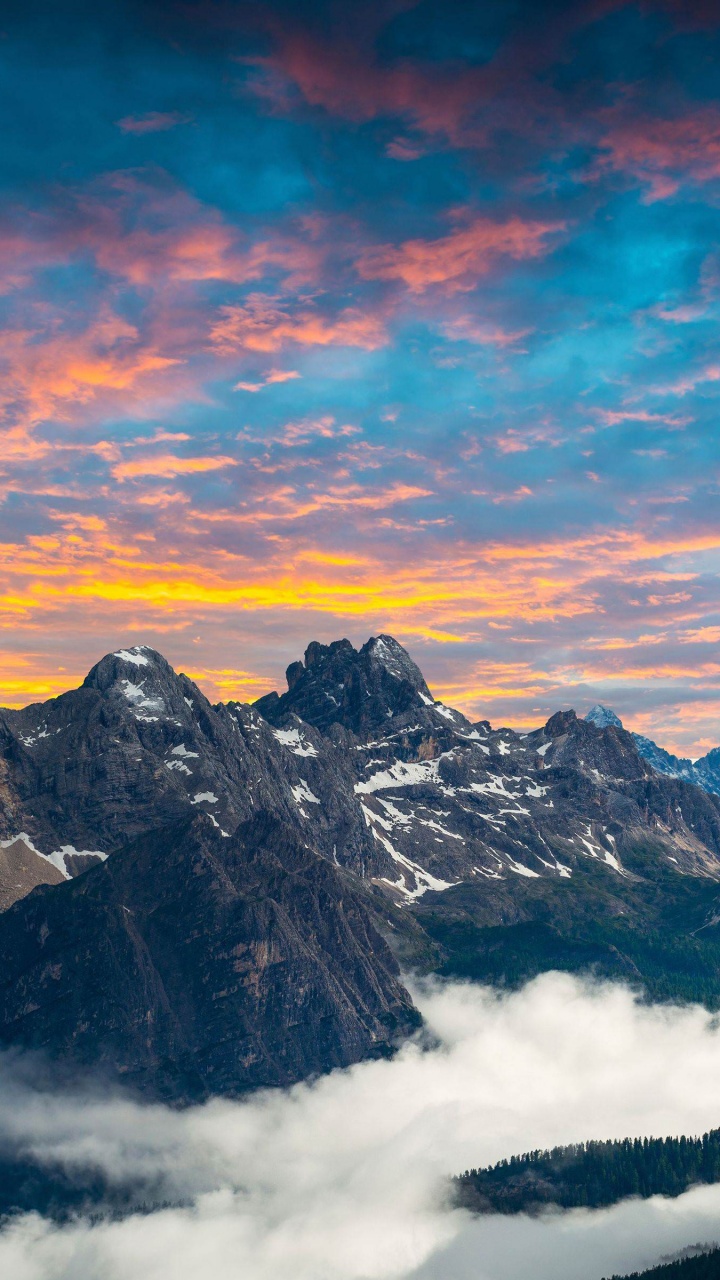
{"x": 190, "y": 964}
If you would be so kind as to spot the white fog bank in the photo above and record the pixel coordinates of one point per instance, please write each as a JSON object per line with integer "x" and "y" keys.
{"x": 343, "y": 1179}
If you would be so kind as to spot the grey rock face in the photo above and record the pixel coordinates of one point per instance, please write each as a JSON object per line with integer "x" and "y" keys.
{"x": 601, "y": 717}
{"x": 22, "y": 869}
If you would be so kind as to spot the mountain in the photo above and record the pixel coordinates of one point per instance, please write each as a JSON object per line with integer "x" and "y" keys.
{"x": 229, "y": 888}
{"x": 704, "y": 772}
{"x": 359, "y": 690}
{"x": 602, "y": 717}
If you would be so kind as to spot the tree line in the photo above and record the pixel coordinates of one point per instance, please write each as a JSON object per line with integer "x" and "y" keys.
{"x": 701, "y": 1266}
{"x": 590, "y": 1174}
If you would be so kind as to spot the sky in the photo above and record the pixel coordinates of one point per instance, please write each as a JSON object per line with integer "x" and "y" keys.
{"x": 346, "y": 1178}
{"x": 325, "y": 319}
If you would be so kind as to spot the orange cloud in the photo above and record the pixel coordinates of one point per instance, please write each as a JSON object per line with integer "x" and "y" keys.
{"x": 167, "y": 465}
{"x": 519, "y": 601}
{"x": 45, "y": 373}
{"x": 459, "y": 259}
{"x": 228, "y": 684}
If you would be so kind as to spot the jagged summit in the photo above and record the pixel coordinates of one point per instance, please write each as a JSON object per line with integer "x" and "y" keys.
{"x": 603, "y": 717}
{"x": 358, "y": 689}
{"x": 138, "y": 661}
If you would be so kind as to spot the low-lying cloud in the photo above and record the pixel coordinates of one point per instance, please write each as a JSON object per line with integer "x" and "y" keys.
{"x": 344, "y": 1179}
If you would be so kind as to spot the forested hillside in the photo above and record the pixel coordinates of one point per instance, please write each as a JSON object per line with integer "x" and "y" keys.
{"x": 591, "y": 1174}
{"x": 703, "y": 1266}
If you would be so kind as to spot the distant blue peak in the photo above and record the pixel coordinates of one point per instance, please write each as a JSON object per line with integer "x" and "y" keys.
{"x": 603, "y": 716}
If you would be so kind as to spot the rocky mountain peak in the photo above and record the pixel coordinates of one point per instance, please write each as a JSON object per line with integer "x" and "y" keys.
{"x": 602, "y": 717}
{"x": 125, "y": 662}
{"x": 138, "y": 665}
{"x": 562, "y": 722}
{"x": 142, "y": 681}
{"x": 606, "y": 748}
{"x": 358, "y": 689}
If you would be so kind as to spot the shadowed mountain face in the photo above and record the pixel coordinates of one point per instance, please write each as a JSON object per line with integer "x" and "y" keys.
{"x": 190, "y": 964}
{"x": 244, "y": 861}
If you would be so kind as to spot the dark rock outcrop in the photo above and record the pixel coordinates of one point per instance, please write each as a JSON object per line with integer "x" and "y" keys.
{"x": 361, "y": 690}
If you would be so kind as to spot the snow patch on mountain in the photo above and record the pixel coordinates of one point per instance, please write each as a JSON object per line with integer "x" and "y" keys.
{"x": 295, "y": 741}
{"x": 136, "y": 656}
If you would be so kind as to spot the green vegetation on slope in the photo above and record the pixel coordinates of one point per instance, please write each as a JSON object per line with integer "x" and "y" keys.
{"x": 649, "y": 929}
{"x": 591, "y": 1174}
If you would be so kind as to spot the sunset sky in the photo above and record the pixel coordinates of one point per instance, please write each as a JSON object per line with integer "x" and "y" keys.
{"x": 327, "y": 319}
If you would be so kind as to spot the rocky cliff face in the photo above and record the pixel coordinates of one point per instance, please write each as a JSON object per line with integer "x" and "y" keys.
{"x": 247, "y": 860}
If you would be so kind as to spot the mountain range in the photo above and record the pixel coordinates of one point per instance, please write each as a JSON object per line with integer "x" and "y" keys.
{"x": 204, "y": 899}
{"x": 704, "y": 772}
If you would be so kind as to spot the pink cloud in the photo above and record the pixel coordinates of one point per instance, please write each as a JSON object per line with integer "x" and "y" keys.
{"x": 484, "y": 333}
{"x": 711, "y": 373}
{"x": 149, "y": 231}
{"x": 344, "y": 78}
{"x": 447, "y": 101}
{"x": 270, "y": 378}
{"x": 662, "y": 153}
{"x": 404, "y": 149}
{"x": 459, "y": 259}
{"x": 263, "y": 325}
{"x": 613, "y": 417}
